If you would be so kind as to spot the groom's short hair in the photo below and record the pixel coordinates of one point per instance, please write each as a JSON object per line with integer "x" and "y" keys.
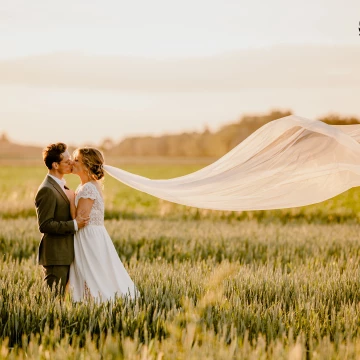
{"x": 52, "y": 153}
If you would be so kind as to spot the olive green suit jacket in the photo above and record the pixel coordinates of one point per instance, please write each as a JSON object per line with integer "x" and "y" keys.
{"x": 55, "y": 223}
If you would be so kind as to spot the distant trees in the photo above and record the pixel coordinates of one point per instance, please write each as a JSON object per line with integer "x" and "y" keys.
{"x": 187, "y": 144}
{"x": 4, "y": 138}
{"x": 206, "y": 143}
{"x": 107, "y": 144}
{"x": 338, "y": 120}
{"x": 194, "y": 144}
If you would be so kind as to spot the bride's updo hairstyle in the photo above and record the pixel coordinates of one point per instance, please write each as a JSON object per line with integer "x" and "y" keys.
{"x": 93, "y": 160}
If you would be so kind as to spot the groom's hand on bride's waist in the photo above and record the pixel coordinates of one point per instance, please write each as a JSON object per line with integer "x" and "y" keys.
{"x": 82, "y": 220}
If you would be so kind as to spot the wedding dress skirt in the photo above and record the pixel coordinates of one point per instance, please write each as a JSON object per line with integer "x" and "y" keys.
{"x": 97, "y": 271}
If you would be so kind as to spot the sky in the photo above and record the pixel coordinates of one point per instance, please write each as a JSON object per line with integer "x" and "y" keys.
{"x": 158, "y": 29}
{"x": 163, "y": 28}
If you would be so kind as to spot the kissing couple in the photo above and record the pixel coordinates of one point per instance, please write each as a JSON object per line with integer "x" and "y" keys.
{"x": 75, "y": 248}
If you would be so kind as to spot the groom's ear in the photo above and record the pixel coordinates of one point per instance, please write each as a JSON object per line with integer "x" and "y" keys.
{"x": 55, "y": 165}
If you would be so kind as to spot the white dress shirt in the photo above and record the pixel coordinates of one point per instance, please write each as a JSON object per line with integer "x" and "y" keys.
{"x": 62, "y": 183}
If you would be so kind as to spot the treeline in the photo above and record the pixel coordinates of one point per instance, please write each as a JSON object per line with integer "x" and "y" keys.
{"x": 202, "y": 144}
{"x": 187, "y": 144}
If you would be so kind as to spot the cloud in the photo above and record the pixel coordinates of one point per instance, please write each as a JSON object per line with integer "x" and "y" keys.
{"x": 164, "y": 28}
{"x": 276, "y": 67}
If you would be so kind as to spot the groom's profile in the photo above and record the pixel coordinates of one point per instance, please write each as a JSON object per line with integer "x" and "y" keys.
{"x": 56, "y": 249}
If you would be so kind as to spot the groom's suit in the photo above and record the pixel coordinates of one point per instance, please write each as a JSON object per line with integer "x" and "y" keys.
{"x": 56, "y": 249}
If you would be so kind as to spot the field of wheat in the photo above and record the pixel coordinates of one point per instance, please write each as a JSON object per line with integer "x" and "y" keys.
{"x": 278, "y": 284}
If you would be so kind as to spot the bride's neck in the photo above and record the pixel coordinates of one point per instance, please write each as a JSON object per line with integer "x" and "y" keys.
{"x": 84, "y": 178}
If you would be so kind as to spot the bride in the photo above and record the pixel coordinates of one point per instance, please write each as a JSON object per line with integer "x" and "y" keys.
{"x": 96, "y": 271}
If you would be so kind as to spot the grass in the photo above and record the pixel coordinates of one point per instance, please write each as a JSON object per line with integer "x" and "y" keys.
{"x": 214, "y": 285}
{"x": 19, "y": 184}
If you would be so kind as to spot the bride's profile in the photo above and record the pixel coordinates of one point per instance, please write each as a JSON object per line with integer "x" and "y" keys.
{"x": 96, "y": 271}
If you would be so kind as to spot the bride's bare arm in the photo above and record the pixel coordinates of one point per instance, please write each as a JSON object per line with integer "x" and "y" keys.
{"x": 84, "y": 207}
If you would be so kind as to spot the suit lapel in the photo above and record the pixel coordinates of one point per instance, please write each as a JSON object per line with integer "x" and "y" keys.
{"x": 57, "y": 188}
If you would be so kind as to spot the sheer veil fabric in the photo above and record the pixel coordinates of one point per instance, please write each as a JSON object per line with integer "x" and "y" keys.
{"x": 289, "y": 162}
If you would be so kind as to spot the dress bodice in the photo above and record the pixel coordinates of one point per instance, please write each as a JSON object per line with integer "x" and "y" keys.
{"x": 90, "y": 191}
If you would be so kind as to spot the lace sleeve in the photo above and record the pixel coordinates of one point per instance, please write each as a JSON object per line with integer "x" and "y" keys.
{"x": 88, "y": 191}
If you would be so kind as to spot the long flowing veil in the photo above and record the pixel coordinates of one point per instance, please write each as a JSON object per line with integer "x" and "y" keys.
{"x": 288, "y": 162}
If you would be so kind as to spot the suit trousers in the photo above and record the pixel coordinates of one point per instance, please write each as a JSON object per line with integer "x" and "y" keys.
{"x": 56, "y": 274}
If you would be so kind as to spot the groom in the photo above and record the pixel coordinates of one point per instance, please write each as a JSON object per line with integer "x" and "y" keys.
{"x": 56, "y": 249}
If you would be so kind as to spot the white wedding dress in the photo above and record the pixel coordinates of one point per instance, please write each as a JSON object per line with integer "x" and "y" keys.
{"x": 97, "y": 271}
